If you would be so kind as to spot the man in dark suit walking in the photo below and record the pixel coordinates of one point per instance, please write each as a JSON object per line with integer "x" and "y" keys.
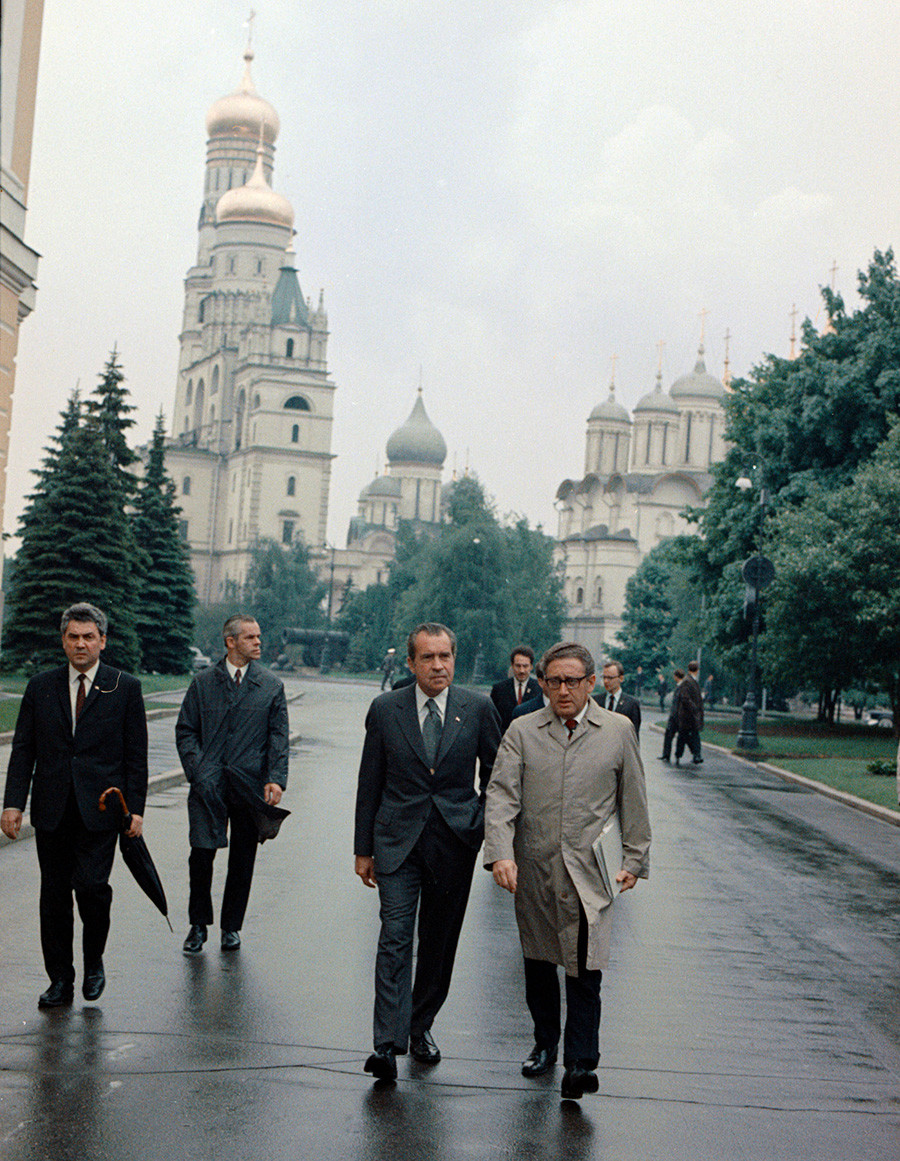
{"x": 81, "y": 729}
{"x": 419, "y": 826}
{"x": 614, "y": 699}
{"x": 233, "y": 738}
{"x": 520, "y": 686}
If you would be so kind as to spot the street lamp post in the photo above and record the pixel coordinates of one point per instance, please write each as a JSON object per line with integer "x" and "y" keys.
{"x": 758, "y": 572}
{"x": 325, "y": 662}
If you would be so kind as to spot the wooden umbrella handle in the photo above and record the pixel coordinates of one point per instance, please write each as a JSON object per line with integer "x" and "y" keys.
{"x": 118, "y": 793}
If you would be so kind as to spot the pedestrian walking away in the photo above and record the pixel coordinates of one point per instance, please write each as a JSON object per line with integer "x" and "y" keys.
{"x": 690, "y": 715}
{"x": 419, "y": 826}
{"x": 81, "y": 728}
{"x": 561, "y": 774}
{"x": 672, "y": 722}
{"x": 232, "y": 736}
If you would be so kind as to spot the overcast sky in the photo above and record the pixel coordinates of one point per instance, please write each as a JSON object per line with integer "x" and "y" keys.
{"x": 506, "y": 193}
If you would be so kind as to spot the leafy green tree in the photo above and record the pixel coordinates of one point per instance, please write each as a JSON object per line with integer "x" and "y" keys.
{"x": 76, "y": 544}
{"x": 282, "y": 592}
{"x": 802, "y": 427}
{"x": 165, "y": 598}
{"x": 366, "y": 615}
{"x": 834, "y": 611}
{"x": 495, "y": 586}
{"x": 110, "y": 409}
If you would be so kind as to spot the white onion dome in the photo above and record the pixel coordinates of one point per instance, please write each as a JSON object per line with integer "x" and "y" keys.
{"x": 698, "y": 383}
{"x": 255, "y": 202}
{"x": 243, "y": 112}
{"x": 384, "y": 487}
{"x": 657, "y": 400}
{"x": 418, "y": 441}
{"x": 609, "y": 410}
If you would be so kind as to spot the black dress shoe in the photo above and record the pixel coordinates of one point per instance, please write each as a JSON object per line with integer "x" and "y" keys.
{"x": 576, "y": 1082}
{"x": 60, "y": 993}
{"x": 698, "y": 761}
{"x": 94, "y": 981}
{"x": 196, "y": 938}
{"x": 540, "y": 1061}
{"x": 424, "y": 1049}
{"x": 664, "y": 758}
{"x": 382, "y": 1064}
{"x": 231, "y": 940}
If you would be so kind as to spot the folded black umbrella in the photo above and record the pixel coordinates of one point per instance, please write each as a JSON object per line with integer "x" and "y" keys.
{"x": 266, "y": 818}
{"x": 137, "y": 857}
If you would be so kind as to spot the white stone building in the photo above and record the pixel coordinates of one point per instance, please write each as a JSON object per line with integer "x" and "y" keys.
{"x": 640, "y": 472}
{"x": 251, "y": 435}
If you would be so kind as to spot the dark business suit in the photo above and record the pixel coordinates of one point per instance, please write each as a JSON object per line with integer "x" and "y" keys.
{"x": 423, "y": 827}
{"x": 528, "y": 707}
{"x": 66, "y": 774}
{"x": 503, "y": 695}
{"x": 627, "y": 705}
{"x": 232, "y": 741}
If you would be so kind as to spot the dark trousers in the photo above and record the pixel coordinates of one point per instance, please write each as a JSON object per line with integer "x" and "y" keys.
{"x": 671, "y": 731}
{"x": 243, "y": 840}
{"x": 434, "y": 879}
{"x": 692, "y": 739}
{"x": 581, "y": 1041}
{"x": 73, "y": 858}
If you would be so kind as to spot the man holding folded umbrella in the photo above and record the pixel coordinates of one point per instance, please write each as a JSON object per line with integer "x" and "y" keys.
{"x": 81, "y": 728}
{"x": 232, "y": 736}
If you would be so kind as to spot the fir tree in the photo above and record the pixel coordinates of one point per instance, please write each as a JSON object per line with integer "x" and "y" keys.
{"x": 165, "y": 603}
{"x": 76, "y": 545}
{"x": 110, "y": 409}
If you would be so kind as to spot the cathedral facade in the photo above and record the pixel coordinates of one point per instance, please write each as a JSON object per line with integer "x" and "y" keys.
{"x": 640, "y": 472}
{"x": 250, "y": 450}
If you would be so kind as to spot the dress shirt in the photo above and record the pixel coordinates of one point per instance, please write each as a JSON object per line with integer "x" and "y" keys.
{"x": 233, "y": 669}
{"x": 578, "y": 716}
{"x": 616, "y": 696}
{"x": 74, "y": 674}
{"x": 440, "y": 700}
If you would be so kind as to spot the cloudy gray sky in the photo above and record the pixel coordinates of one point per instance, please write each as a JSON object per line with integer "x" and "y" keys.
{"x": 506, "y": 193}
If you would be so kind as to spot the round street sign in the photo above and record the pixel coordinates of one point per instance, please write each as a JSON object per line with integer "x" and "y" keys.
{"x": 758, "y": 572}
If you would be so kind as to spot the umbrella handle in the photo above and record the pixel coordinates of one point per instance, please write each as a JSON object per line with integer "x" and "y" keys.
{"x": 126, "y": 817}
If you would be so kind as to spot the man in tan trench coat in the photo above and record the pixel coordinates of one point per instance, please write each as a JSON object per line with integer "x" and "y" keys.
{"x": 560, "y": 774}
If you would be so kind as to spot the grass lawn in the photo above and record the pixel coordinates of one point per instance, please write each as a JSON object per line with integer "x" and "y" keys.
{"x": 15, "y": 684}
{"x": 835, "y": 755}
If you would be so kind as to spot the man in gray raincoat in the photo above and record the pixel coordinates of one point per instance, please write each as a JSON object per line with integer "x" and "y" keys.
{"x": 560, "y": 774}
{"x": 232, "y": 737}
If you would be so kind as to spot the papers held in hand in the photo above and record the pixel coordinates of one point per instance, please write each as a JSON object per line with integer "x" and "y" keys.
{"x": 607, "y": 848}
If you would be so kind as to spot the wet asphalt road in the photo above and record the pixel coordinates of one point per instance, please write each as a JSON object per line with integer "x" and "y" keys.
{"x": 751, "y": 1007}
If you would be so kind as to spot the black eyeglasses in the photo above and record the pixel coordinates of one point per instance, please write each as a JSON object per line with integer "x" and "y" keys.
{"x": 568, "y": 682}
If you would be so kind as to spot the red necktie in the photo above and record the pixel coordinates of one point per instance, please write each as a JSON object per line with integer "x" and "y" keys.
{"x": 571, "y": 724}
{"x": 80, "y": 696}
{"x": 237, "y": 678}
{"x": 519, "y": 697}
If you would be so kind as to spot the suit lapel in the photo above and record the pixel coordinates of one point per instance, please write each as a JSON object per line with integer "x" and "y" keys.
{"x": 65, "y": 700}
{"x": 408, "y": 718}
{"x": 453, "y": 719}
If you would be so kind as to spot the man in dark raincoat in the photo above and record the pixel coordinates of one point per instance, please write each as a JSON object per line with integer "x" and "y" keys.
{"x": 232, "y": 736}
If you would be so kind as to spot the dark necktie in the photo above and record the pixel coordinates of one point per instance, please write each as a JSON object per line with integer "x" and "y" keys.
{"x": 431, "y": 731}
{"x": 571, "y": 725}
{"x": 237, "y": 679}
{"x": 80, "y": 696}
{"x": 519, "y": 694}
{"x": 612, "y": 702}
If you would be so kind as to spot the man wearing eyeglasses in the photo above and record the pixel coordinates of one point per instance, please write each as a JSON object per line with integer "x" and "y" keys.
{"x": 560, "y": 775}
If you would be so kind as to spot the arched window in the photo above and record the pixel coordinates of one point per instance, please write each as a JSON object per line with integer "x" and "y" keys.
{"x": 579, "y": 596}
{"x": 199, "y": 400}
{"x": 297, "y": 403}
{"x": 189, "y": 393}
{"x": 239, "y": 418}
{"x": 259, "y": 266}
{"x": 186, "y": 486}
{"x": 214, "y": 382}
{"x": 599, "y": 593}
{"x": 295, "y": 433}
{"x": 287, "y": 531}
{"x": 292, "y": 485}
{"x": 289, "y": 350}
{"x": 256, "y": 402}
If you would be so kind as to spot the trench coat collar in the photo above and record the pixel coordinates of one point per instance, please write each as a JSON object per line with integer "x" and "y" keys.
{"x": 593, "y": 717}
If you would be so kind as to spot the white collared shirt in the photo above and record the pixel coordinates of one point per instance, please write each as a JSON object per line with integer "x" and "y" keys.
{"x": 74, "y": 674}
{"x": 233, "y": 669}
{"x": 578, "y": 716}
{"x": 440, "y": 700}
{"x": 605, "y": 703}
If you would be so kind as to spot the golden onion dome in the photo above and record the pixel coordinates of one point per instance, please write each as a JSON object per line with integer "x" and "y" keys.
{"x": 255, "y": 202}
{"x": 243, "y": 112}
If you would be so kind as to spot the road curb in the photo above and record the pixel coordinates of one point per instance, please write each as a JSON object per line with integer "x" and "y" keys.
{"x": 883, "y": 812}
{"x": 155, "y": 783}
